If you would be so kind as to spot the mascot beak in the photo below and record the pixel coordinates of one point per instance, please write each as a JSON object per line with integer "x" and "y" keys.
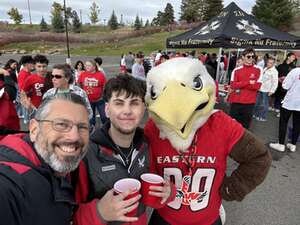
{"x": 177, "y": 105}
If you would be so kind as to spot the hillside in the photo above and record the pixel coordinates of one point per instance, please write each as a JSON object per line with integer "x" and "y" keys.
{"x": 92, "y": 40}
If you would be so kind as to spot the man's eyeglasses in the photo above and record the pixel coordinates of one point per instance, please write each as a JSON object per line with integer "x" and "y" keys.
{"x": 56, "y": 76}
{"x": 250, "y": 56}
{"x": 65, "y": 126}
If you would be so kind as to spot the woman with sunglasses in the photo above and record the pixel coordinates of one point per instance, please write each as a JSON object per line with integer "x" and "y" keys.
{"x": 62, "y": 79}
{"x": 245, "y": 83}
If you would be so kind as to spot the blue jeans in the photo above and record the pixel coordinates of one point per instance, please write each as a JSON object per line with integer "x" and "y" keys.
{"x": 262, "y": 105}
{"x": 100, "y": 106}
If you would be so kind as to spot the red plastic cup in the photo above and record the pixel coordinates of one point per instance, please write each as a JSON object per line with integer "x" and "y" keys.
{"x": 150, "y": 179}
{"x": 128, "y": 184}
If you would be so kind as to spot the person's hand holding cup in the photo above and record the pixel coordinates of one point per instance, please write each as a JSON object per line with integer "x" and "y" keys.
{"x": 155, "y": 190}
{"x": 131, "y": 187}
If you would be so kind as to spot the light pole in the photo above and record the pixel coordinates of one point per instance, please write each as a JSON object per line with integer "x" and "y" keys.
{"x": 28, "y": 4}
{"x": 68, "y": 60}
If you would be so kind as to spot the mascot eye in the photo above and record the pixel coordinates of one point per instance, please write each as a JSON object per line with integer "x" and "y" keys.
{"x": 197, "y": 83}
{"x": 153, "y": 94}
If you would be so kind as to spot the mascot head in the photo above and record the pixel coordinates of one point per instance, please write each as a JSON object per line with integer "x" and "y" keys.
{"x": 180, "y": 98}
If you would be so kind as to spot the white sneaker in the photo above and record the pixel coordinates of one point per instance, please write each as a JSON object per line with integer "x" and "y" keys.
{"x": 222, "y": 214}
{"x": 278, "y": 115}
{"x": 277, "y": 147}
{"x": 291, "y": 147}
{"x": 277, "y": 110}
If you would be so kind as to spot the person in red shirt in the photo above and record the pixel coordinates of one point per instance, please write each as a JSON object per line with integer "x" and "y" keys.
{"x": 27, "y": 65}
{"x": 34, "y": 84}
{"x": 93, "y": 81}
{"x": 9, "y": 121}
{"x": 245, "y": 83}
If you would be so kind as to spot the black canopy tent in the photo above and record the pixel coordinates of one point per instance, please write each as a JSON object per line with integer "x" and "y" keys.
{"x": 234, "y": 28}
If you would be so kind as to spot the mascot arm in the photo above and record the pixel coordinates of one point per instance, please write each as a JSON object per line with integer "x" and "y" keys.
{"x": 254, "y": 162}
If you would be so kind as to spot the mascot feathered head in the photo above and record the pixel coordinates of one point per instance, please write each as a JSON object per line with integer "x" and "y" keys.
{"x": 180, "y": 98}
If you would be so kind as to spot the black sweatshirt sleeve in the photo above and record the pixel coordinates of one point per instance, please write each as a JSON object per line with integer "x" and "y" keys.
{"x": 11, "y": 206}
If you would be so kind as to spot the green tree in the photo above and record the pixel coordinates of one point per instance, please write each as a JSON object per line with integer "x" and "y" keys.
{"x": 147, "y": 24}
{"x": 276, "y": 13}
{"x": 158, "y": 20}
{"x": 113, "y": 21}
{"x": 43, "y": 25}
{"x": 76, "y": 24}
{"x": 192, "y": 10}
{"x": 57, "y": 19}
{"x": 69, "y": 15}
{"x": 168, "y": 17}
{"x": 15, "y": 15}
{"x": 94, "y": 13}
{"x": 213, "y": 8}
{"x": 137, "y": 23}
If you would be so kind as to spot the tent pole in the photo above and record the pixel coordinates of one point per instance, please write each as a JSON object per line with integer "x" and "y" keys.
{"x": 285, "y": 54}
{"x": 218, "y": 68}
{"x": 228, "y": 60}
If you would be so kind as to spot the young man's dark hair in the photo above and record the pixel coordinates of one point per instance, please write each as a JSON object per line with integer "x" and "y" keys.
{"x": 41, "y": 59}
{"x": 98, "y": 60}
{"x": 248, "y": 50}
{"x": 67, "y": 71}
{"x": 124, "y": 83}
{"x": 26, "y": 59}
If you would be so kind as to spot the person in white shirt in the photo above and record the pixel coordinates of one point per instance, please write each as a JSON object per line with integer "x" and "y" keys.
{"x": 138, "y": 70}
{"x": 290, "y": 106}
{"x": 268, "y": 87}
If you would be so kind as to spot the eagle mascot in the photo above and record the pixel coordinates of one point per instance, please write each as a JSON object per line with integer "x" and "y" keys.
{"x": 190, "y": 142}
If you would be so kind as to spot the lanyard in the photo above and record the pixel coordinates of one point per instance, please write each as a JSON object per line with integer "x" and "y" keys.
{"x": 190, "y": 159}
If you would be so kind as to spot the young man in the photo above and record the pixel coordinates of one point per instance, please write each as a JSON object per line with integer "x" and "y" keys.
{"x": 117, "y": 150}
{"x": 62, "y": 80}
{"x": 35, "y": 185}
{"x": 245, "y": 82}
{"x": 27, "y": 65}
{"x": 34, "y": 84}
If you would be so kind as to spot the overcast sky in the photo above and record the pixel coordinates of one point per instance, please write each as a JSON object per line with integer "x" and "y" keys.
{"x": 146, "y": 9}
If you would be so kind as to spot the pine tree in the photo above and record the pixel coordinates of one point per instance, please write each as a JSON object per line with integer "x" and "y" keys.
{"x": 192, "y": 10}
{"x": 137, "y": 23}
{"x": 147, "y": 24}
{"x": 141, "y": 22}
{"x": 43, "y": 25}
{"x": 113, "y": 21}
{"x": 275, "y": 13}
{"x": 94, "y": 13}
{"x": 76, "y": 24}
{"x": 213, "y": 8}
{"x": 168, "y": 17}
{"x": 158, "y": 20}
{"x": 15, "y": 15}
{"x": 57, "y": 19}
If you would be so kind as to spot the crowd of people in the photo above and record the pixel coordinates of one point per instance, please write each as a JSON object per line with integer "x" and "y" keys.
{"x": 70, "y": 164}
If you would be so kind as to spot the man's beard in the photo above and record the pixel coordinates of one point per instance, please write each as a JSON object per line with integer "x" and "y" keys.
{"x": 68, "y": 164}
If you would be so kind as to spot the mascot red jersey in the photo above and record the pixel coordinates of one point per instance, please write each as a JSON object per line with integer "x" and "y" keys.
{"x": 190, "y": 143}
